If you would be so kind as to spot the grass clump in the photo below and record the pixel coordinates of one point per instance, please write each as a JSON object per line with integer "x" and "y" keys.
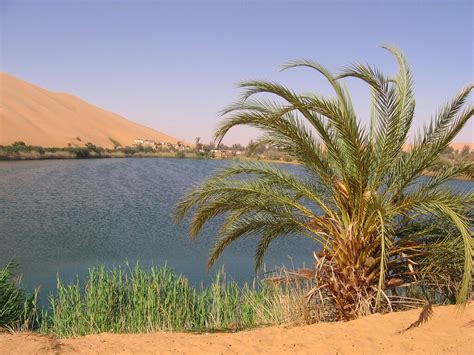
{"x": 131, "y": 300}
{"x": 18, "y": 311}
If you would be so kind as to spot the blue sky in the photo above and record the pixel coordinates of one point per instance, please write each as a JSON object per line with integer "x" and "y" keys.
{"x": 173, "y": 65}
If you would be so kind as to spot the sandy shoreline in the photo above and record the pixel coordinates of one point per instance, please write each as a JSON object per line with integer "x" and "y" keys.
{"x": 447, "y": 332}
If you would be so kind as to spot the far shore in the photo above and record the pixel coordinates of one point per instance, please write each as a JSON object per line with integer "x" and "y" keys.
{"x": 142, "y": 155}
{"x": 111, "y": 155}
{"x": 67, "y": 156}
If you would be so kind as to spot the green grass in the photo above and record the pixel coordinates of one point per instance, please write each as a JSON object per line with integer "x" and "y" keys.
{"x": 132, "y": 300}
{"x": 137, "y": 300}
{"x": 17, "y": 310}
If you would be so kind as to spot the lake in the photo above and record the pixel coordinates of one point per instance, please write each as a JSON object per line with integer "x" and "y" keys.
{"x": 63, "y": 216}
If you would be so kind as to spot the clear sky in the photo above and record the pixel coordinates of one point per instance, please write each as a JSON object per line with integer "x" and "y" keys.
{"x": 172, "y": 65}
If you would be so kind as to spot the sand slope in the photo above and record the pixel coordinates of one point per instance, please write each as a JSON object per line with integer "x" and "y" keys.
{"x": 455, "y": 145}
{"x": 39, "y": 117}
{"x": 447, "y": 332}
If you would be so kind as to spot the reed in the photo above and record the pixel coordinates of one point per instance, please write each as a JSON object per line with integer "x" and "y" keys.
{"x": 132, "y": 299}
{"x": 17, "y": 309}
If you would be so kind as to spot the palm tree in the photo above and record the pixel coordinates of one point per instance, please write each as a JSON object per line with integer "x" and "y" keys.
{"x": 378, "y": 223}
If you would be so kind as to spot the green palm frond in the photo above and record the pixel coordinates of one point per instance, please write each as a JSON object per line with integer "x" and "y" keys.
{"x": 436, "y": 136}
{"x": 359, "y": 196}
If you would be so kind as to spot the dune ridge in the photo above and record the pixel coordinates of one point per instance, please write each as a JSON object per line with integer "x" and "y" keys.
{"x": 40, "y": 117}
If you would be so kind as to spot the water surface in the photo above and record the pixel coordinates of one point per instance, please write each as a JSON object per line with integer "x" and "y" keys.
{"x": 63, "y": 216}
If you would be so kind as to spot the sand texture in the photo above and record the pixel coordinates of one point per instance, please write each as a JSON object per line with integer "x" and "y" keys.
{"x": 448, "y": 331}
{"x": 39, "y": 117}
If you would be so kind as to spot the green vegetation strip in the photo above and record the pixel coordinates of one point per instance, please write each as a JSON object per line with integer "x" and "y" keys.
{"x": 132, "y": 299}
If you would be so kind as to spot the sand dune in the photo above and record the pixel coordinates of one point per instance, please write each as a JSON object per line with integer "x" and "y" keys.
{"x": 448, "y": 332}
{"x": 455, "y": 145}
{"x": 459, "y": 145}
{"x": 39, "y": 117}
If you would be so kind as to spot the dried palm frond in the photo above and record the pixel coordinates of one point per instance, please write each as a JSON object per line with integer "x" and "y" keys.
{"x": 425, "y": 314}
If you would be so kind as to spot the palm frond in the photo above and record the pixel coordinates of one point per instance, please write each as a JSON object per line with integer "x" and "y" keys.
{"x": 359, "y": 196}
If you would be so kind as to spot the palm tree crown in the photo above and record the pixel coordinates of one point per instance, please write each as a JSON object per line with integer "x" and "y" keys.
{"x": 379, "y": 224}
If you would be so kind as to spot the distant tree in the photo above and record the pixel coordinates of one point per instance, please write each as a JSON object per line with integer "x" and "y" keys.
{"x": 140, "y": 148}
{"x": 18, "y": 147}
{"x": 80, "y": 153}
{"x": 115, "y": 143}
{"x": 236, "y": 147}
{"x": 93, "y": 148}
{"x": 251, "y": 147}
{"x": 448, "y": 150}
{"x": 465, "y": 151}
{"x": 198, "y": 143}
{"x": 128, "y": 150}
{"x": 255, "y": 148}
{"x": 148, "y": 149}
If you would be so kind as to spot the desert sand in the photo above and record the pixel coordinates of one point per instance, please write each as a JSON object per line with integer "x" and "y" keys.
{"x": 455, "y": 145}
{"x": 448, "y": 331}
{"x": 37, "y": 116}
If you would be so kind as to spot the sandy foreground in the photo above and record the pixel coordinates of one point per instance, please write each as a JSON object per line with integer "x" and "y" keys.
{"x": 448, "y": 331}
